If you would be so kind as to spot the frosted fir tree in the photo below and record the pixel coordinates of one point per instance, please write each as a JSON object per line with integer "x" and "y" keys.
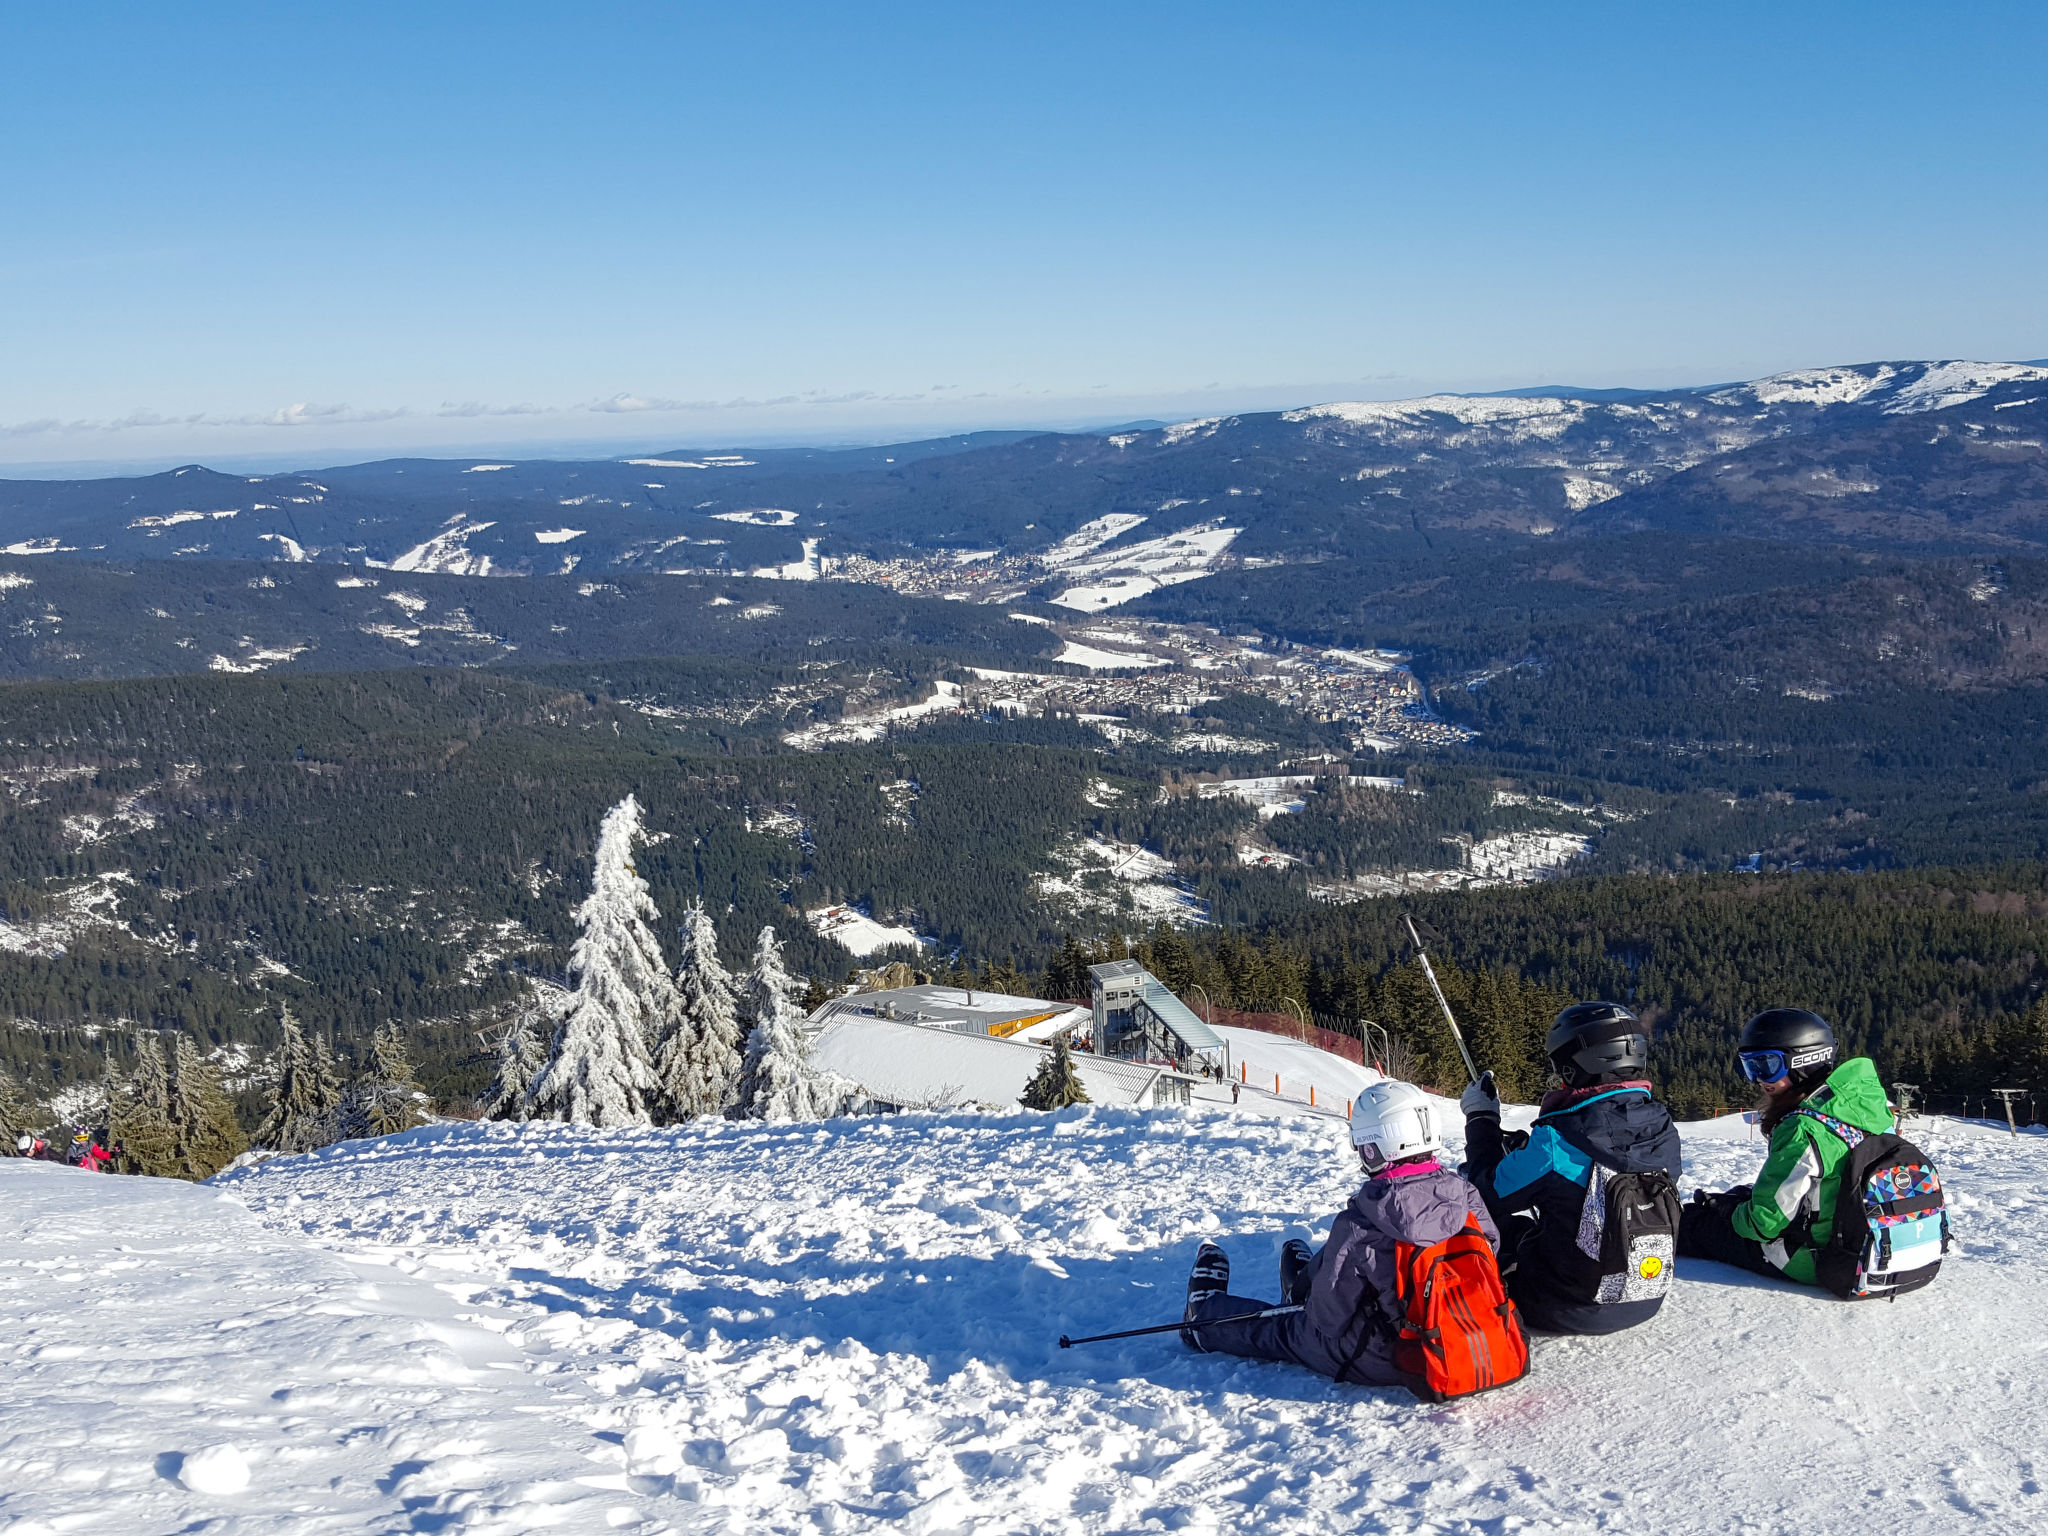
{"x": 16, "y": 1116}
{"x": 1056, "y": 1083}
{"x": 778, "y": 1080}
{"x": 698, "y": 1056}
{"x": 139, "y": 1113}
{"x": 522, "y": 1052}
{"x": 388, "y": 1100}
{"x": 599, "y": 1072}
{"x": 209, "y": 1133}
{"x": 306, "y": 1114}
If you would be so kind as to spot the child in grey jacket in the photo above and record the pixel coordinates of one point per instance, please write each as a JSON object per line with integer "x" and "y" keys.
{"x": 1348, "y": 1294}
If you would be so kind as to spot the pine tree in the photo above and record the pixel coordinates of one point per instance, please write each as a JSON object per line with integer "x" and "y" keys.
{"x": 305, "y": 1115}
{"x": 523, "y": 1052}
{"x": 139, "y": 1114}
{"x": 209, "y": 1134}
{"x": 387, "y": 1101}
{"x": 697, "y": 1059}
{"x": 1056, "y": 1083}
{"x": 598, "y": 1072}
{"x": 778, "y": 1080}
{"x": 16, "y": 1116}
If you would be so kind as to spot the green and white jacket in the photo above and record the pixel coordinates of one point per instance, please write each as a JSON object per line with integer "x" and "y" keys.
{"x": 1802, "y": 1176}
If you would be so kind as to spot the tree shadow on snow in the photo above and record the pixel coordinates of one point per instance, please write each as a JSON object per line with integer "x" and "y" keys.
{"x": 1006, "y": 1311}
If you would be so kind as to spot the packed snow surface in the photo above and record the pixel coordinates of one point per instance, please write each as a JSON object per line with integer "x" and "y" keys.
{"x": 171, "y": 1364}
{"x": 850, "y": 1326}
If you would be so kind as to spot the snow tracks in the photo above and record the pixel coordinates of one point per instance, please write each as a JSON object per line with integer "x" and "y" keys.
{"x": 849, "y": 1326}
{"x": 167, "y": 1364}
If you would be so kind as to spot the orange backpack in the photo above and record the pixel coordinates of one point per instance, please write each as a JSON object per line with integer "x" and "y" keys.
{"x": 1459, "y": 1333}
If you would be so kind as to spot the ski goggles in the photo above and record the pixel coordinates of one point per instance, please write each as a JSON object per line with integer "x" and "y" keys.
{"x": 1763, "y": 1066}
{"x": 1771, "y": 1066}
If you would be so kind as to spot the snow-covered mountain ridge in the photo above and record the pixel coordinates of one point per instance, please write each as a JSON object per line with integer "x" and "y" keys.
{"x": 990, "y": 519}
{"x": 850, "y": 1326}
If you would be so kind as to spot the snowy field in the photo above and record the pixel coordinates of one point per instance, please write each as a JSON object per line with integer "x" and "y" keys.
{"x": 850, "y": 1326}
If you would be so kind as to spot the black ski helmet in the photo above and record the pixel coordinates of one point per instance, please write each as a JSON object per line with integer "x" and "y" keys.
{"x": 1804, "y": 1037}
{"x": 1598, "y": 1043}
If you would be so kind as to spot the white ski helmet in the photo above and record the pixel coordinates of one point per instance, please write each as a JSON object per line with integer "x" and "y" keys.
{"x": 1392, "y": 1122}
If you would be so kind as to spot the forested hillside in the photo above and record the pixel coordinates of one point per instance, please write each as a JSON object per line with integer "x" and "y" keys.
{"x": 1941, "y": 974}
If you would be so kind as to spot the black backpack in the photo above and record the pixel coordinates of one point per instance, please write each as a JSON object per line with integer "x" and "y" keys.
{"x": 1891, "y": 1223}
{"x": 1636, "y": 1214}
{"x": 1627, "y": 1240}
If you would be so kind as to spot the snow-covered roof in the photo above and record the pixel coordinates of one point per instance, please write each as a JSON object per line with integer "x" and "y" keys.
{"x": 913, "y": 1064}
{"x": 968, "y": 1010}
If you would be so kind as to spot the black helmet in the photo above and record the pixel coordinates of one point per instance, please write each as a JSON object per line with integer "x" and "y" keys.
{"x": 1598, "y": 1043}
{"x": 1799, "y": 1038}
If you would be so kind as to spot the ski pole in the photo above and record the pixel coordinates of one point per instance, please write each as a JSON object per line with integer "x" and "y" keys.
{"x": 1456, "y": 1034}
{"x": 1200, "y": 1322}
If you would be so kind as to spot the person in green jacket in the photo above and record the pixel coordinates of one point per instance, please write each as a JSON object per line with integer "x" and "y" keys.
{"x": 1773, "y": 1226}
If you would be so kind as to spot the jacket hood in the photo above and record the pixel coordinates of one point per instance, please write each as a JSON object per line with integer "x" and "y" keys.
{"x": 1423, "y": 1208}
{"x": 1623, "y": 1128}
{"x": 1852, "y": 1093}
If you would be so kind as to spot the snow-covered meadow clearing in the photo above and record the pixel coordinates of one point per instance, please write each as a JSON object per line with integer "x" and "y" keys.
{"x": 851, "y": 1325}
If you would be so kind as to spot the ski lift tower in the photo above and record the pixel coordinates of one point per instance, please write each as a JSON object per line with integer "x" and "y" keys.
{"x": 1137, "y": 1017}
{"x": 2006, "y": 1096}
{"x": 1906, "y": 1093}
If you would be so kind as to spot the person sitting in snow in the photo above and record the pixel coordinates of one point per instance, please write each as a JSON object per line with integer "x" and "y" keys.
{"x": 1536, "y": 1182}
{"x": 1775, "y": 1225}
{"x": 1348, "y": 1293}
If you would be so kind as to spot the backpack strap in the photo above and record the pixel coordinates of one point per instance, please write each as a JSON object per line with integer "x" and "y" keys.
{"x": 1850, "y": 1136}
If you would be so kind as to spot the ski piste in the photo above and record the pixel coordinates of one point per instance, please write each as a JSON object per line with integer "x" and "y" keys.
{"x": 851, "y": 1325}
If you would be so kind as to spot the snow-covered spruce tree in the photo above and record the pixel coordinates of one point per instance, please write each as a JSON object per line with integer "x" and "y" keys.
{"x": 1056, "y": 1083}
{"x": 139, "y": 1113}
{"x": 306, "y": 1113}
{"x": 209, "y": 1133}
{"x": 698, "y": 1057}
{"x": 16, "y": 1114}
{"x": 778, "y": 1080}
{"x": 388, "y": 1100}
{"x": 523, "y": 1051}
{"x": 598, "y": 1072}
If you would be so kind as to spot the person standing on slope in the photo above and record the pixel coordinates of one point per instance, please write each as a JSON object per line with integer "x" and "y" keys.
{"x": 1349, "y": 1292}
{"x": 1774, "y": 1226}
{"x": 1547, "y": 1187}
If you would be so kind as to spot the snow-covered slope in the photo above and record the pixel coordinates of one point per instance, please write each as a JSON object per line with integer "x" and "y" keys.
{"x": 168, "y": 1364}
{"x": 851, "y": 1326}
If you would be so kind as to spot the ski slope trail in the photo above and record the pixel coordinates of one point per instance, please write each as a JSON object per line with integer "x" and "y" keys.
{"x": 850, "y": 1326}
{"x": 168, "y": 1364}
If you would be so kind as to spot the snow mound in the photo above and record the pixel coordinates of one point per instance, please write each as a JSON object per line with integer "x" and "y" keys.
{"x": 851, "y": 1325}
{"x": 216, "y": 1469}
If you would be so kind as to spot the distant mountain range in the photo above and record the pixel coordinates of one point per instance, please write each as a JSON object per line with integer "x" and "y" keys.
{"x": 1941, "y": 457}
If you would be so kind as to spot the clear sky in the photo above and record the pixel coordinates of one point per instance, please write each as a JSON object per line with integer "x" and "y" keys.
{"x": 308, "y": 232}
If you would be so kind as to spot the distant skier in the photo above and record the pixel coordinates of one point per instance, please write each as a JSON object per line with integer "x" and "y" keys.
{"x": 1586, "y": 1198}
{"x": 1779, "y": 1225}
{"x": 28, "y": 1144}
{"x": 87, "y": 1153}
{"x": 1350, "y": 1292}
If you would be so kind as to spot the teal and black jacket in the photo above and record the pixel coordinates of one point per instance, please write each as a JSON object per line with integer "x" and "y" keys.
{"x": 1534, "y": 1183}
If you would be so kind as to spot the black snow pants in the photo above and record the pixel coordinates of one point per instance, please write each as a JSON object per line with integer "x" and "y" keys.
{"x": 1704, "y": 1232}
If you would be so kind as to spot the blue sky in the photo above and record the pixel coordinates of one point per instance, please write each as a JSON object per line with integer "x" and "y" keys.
{"x": 238, "y": 232}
